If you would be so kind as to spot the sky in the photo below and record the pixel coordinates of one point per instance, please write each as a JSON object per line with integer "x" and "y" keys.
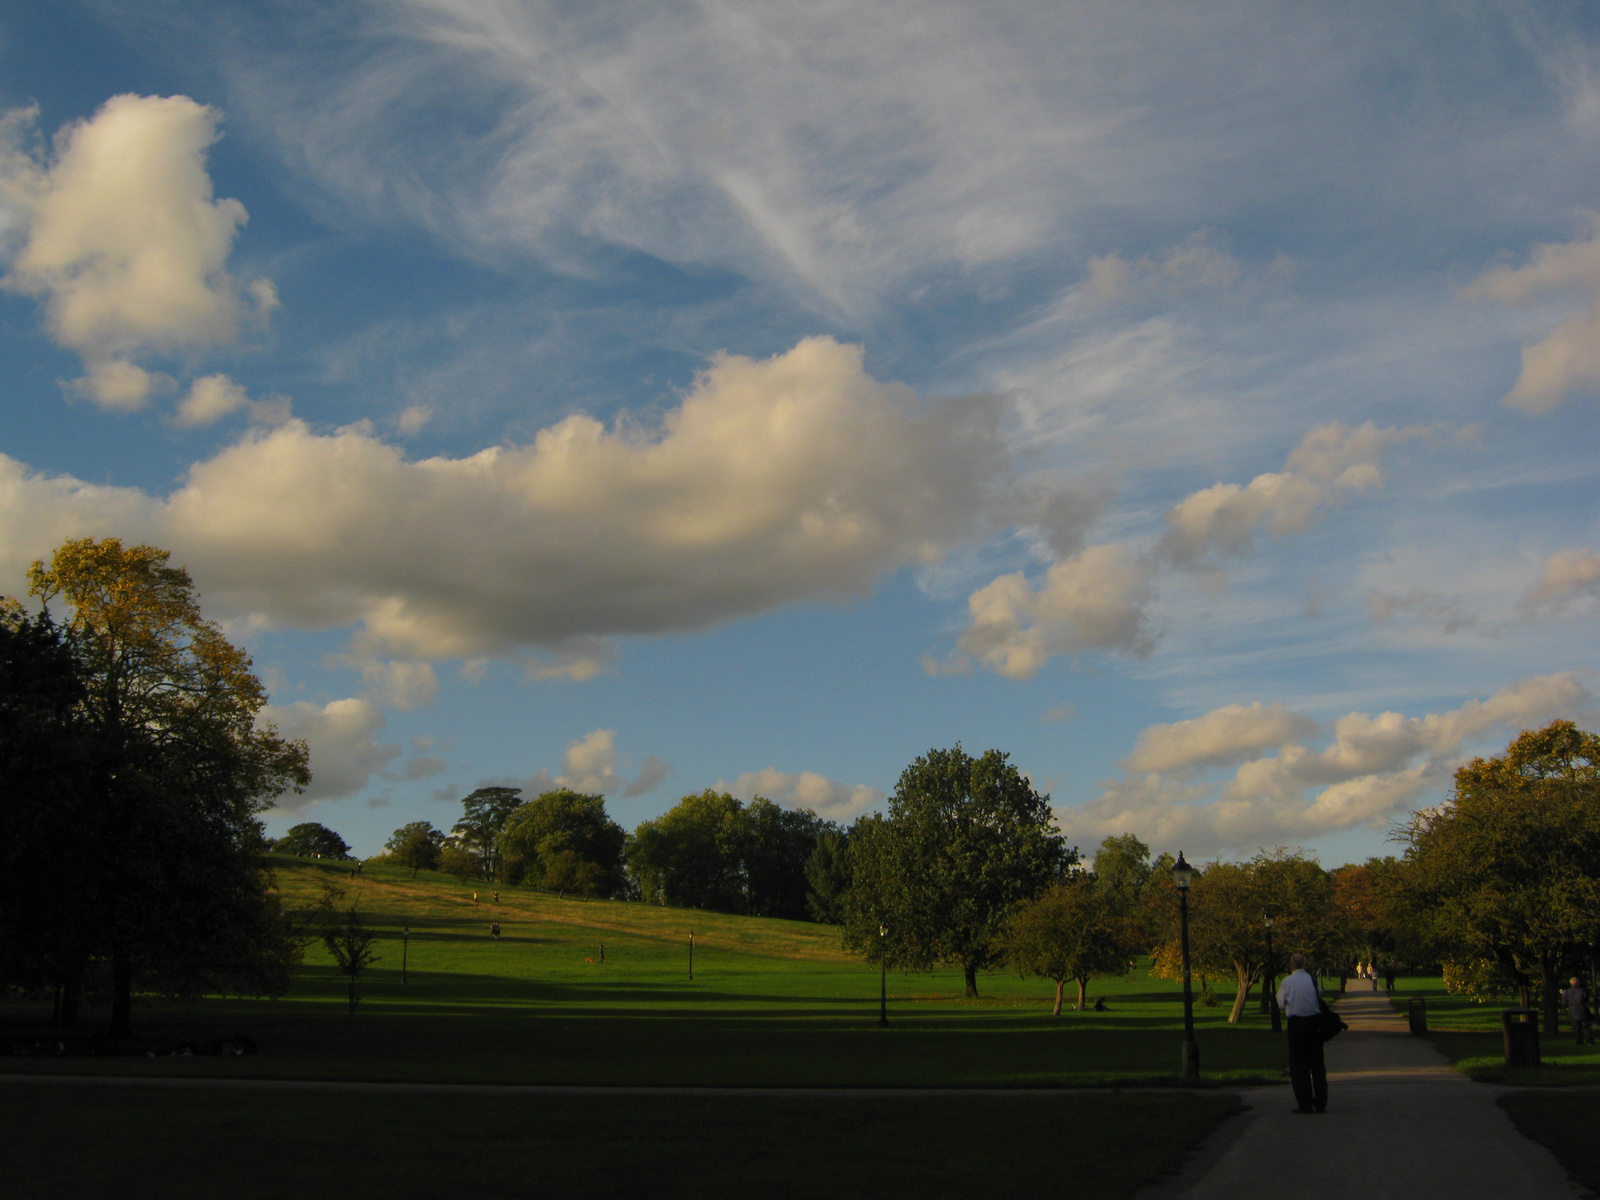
{"x": 1193, "y": 400}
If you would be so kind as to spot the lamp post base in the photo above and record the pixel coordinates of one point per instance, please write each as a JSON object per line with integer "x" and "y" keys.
{"x": 1191, "y": 1062}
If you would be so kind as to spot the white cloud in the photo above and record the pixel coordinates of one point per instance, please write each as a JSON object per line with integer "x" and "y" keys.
{"x": 1567, "y": 359}
{"x": 591, "y": 764}
{"x": 834, "y": 801}
{"x": 1330, "y": 462}
{"x": 1568, "y": 575}
{"x": 1095, "y": 600}
{"x": 1224, "y": 735}
{"x": 797, "y": 477}
{"x": 1373, "y": 769}
{"x": 412, "y": 419}
{"x": 344, "y": 751}
{"x": 210, "y": 398}
{"x": 124, "y": 242}
{"x": 395, "y": 683}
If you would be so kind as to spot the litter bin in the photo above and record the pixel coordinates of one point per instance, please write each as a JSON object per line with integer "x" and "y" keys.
{"x": 1521, "y": 1026}
{"x": 1417, "y": 1014}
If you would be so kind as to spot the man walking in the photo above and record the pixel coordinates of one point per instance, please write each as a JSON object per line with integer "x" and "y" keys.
{"x": 1577, "y": 1001}
{"x": 1298, "y": 998}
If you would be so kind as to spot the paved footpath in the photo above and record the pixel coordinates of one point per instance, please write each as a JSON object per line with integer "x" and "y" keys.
{"x": 1400, "y": 1122}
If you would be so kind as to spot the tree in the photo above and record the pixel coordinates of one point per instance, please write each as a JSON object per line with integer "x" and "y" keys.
{"x": 568, "y": 871}
{"x": 1506, "y": 874}
{"x": 415, "y": 845}
{"x": 1073, "y": 931}
{"x": 712, "y": 851}
{"x": 312, "y": 840}
{"x": 778, "y": 843}
{"x": 692, "y": 855}
{"x": 349, "y": 940}
{"x": 46, "y": 790}
{"x": 457, "y": 860}
{"x": 1228, "y": 904}
{"x": 484, "y": 814}
{"x": 572, "y": 827}
{"x": 828, "y": 877}
{"x": 965, "y": 841}
{"x": 181, "y": 770}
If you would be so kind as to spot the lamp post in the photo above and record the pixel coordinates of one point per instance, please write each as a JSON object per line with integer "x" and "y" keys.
{"x": 1182, "y": 877}
{"x": 405, "y": 951}
{"x": 883, "y": 975}
{"x": 1268, "y": 993}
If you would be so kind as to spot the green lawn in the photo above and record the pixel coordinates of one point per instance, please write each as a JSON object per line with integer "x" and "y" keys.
{"x": 1470, "y": 1034}
{"x": 1569, "y": 1125}
{"x": 771, "y": 1002}
{"x": 176, "y": 1143}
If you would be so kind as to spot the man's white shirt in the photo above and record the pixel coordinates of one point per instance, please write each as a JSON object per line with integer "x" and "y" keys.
{"x": 1297, "y": 995}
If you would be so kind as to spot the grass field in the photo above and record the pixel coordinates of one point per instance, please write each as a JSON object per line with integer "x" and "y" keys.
{"x": 1470, "y": 1034}
{"x": 180, "y": 1143}
{"x": 1569, "y": 1125}
{"x": 771, "y": 1003}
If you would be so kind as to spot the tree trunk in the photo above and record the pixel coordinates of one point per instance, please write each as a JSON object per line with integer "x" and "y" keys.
{"x": 971, "y": 973}
{"x": 1246, "y": 979}
{"x": 71, "y": 999}
{"x": 1551, "y": 969}
{"x": 1083, "y": 991}
{"x": 121, "y": 995}
{"x": 1060, "y": 986}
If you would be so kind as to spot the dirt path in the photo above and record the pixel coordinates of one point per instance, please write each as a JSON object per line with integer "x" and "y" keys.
{"x": 1400, "y": 1122}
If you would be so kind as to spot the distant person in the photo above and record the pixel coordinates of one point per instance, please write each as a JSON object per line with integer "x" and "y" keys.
{"x": 1577, "y": 1002}
{"x": 1388, "y": 977}
{"x": 497, "y": 897}
{"x": 602, "y": 952}
{"x": 1373, "y": 974}
{"x": 1100, "y": 1004}
{"x": 1298, "y": 998}
{"x": 474, "y": 897}
{"x": 494, "y": 929}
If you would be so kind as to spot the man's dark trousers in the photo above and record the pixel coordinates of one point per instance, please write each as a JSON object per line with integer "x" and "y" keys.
{"x": 1306, "y": 1070}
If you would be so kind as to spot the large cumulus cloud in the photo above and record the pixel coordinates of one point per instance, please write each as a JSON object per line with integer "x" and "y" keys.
{"x": 122, "y": 240}
{"x": 791, "y": 478}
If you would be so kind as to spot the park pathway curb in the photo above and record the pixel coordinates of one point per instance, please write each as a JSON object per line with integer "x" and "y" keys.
{"x": 1400, "y": 1122}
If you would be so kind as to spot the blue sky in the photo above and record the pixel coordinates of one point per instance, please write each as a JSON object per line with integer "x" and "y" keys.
{"x": 1195, "y": 401}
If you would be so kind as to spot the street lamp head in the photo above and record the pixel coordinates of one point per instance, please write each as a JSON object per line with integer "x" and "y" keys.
{"x": 1182, "y": 873}
{"x": 1268, "y": 919}
{"x": 883, "y": 931}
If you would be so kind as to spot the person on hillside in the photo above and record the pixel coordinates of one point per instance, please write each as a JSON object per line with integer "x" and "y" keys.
{"x": 494, "y": 929}
{"x": 1388, "y": 978}
{"x": 1301, "y": 1004}
{"x": 1577, "y": 1002}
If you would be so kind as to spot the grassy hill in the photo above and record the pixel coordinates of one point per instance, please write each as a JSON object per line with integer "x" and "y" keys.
{"x": 771, "y": 1003}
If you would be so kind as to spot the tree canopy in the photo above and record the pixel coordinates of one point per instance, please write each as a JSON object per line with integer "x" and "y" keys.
{"x": 1228, "y": 906}
{"x": 1076, "y": 930}
{"x": 1505, "y": 877}
{"x": 484, "y": 814}
{"x": 175, "y": 889}
{"x": 965, "y": 840}
{"x": 309, "y": 839}
{"x": 713, "y": 851}
{"x": 563, "y": 840}
{"x": 415, "y": 844}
